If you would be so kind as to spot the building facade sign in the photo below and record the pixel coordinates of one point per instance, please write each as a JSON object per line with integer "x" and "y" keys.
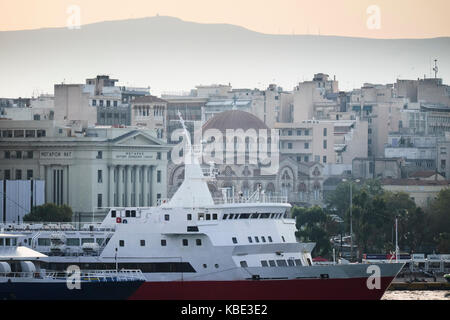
{"x": 56, "y": 155}
{"x": 133, "y": 155}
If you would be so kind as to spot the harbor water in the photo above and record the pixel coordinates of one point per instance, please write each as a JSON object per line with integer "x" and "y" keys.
{"x": 416, "y": 295}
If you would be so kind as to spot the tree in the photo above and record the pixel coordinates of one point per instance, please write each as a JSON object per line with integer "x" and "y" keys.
{"x": 49, "y": 212}
{"x": 314, "y": 225}
{"x": 439, "y": 212}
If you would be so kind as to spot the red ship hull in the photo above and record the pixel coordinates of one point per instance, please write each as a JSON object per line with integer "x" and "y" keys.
{"x": 295, "y": 289}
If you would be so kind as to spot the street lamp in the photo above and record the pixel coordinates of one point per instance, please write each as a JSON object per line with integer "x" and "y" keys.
{"x": 351, "y": 222}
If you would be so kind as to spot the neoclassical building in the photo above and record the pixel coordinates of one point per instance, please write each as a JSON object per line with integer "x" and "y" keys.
{"x": 89, "y": 170}
{"x": 301, "y": 182}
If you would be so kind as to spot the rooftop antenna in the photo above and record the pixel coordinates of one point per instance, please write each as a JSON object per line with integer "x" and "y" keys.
{"x": 435, "y": 69}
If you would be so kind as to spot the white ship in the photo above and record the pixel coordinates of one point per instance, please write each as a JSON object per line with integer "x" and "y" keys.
{"x": 197, "y": 247}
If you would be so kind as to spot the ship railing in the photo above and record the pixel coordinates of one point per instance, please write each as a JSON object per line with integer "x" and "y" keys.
{"x": 85, "y": 275}
{"x": 54, "y": 226}
{"x": 243, "y": 199}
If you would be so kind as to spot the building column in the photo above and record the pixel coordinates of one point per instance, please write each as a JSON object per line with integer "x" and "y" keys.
{"x": 145, "y": 183}
{"x": 111, "y": 186}
{"x": 65, "y": 178}
{"x": 128, "y": 187}
{"x": 48, "y": 184}
{"x": 120, "y": 184}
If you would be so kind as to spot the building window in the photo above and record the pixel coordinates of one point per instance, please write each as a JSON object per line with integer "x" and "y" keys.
{"x": 299, "y": 132}
{"x": 18, "y": 154}
{"x": 115, "y": 103}
{"x": 7, "y": 154}
{"x": 289, "y": 145}
{"x": 30, "y": 133}
{"x": 18, "y": 174}
{"x": 7, "y": 174}
{"x": 324, "y": 144}
{"x": 306, "y": 132}
{"x": 306, "y": 145}
{"x": 185, "y": 242}
{"x": 94, "y": 103}
{"x": 18, "y": 134}
{"x": 198, "y": 242}
{"x": 306, "y": 158}
{"x": 99, "y": 200}
{"x": 40, "y": 133}
{"x": 101, "y": 103}
{"x": 121, "y": 243}
{"x": 99, "y": 176}
{"x": 324, "y": 132}
{"x": 234, "y": 240}
{"x": 30, "y": 154}
{"x": 29, "y": 174}
{"x": 158, "y": 176}
{"x": 158, "y": 156}
{"x": 324, "y": 159}
{"x": 142, "y": 243}
{"x": 163, "y": 242}
{"x": 108, "y": 103}
{"x": 99, "y": 154}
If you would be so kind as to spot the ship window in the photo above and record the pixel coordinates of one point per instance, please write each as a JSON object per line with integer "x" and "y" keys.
{"x": 236, "y": 216}
{"x": 205, "y": 266}
{"x": 127, "y": 213}
{"x": 272, "y": 263}
{"x": 214, "y": 216}
{"x": 298, "y": 262}
{"x": 285, "y": 215}
{"x": 201, "y": 216}
{"x": 250, "y": 240}
{"x": 264, "y": 263}
{"x": 291, "y": 262}
{"x": 142, "y": 243}
{"x": 185, "y": 242}
{"x": 225, "y": 216}
{"x": 198, "y": 242}
{"x": 166, "y": 217}
{"x": 265, "y": 215}
{"x": 231, "y": 216}
{"x": 1, "y": 241}
{"x": 208, "y": 216}
{"x": 263, "y": 239}
{"x": 7, "y": 242}
{"x": 244, "y": 216}
{"x": 272, "y": 215}
{"x": 113, "y": 213}
{"x": 234, "y": 239}
{"x": 281, "y": 263}
{"x": 99, "y": 241}
{"x": 88, "y": 240}
{"x": 133, "y": 213}
{"x": 121, "y": 243}
{"x": 189, "y": 216}
{"x": 255, "y": 215}
{"x": 244, "y": 264}
{"x": 270, "y": 238}
{"x": 163, "y": 242}
{"x": 73, "y": 241}
{"x": 257, "y": 239}
{"x": 282, "y": 238}
{"x": 192, "y": 228}
{"x": 216, "y": 265}
{"x": 43, "y": 242}
{"x": 309, "y": 261}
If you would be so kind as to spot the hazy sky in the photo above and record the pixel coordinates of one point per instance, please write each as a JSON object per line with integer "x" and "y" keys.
{"x": 361, "y": 18}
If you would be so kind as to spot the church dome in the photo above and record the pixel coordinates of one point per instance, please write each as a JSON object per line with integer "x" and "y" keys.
{"x": 234, "y": 119}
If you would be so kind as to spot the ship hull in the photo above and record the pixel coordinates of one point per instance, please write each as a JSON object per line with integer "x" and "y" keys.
{"x": 293, "y": 289}
{"x": 59, "y": 290}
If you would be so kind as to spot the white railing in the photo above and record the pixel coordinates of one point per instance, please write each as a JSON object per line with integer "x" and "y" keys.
{"x": 53, "y": 226}
{"x": 85, "y": 275}
{"x": 243, "y": 199}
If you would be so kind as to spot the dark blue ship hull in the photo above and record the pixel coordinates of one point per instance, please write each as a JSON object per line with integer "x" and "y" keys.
{"x": 58, "y": 290}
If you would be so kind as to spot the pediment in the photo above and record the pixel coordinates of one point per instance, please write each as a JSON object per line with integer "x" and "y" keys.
{"x": 137, "y": 139}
